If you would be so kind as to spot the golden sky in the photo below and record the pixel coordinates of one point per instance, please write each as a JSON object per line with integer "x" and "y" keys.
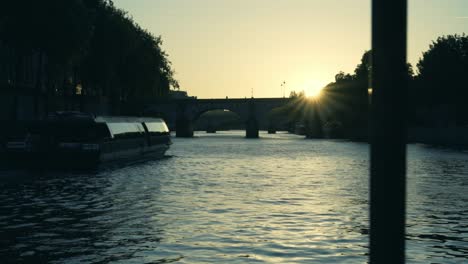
{"x": 225, "y": 48}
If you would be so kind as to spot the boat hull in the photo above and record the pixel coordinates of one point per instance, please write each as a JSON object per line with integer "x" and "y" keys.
{"x": 79, "y": 159}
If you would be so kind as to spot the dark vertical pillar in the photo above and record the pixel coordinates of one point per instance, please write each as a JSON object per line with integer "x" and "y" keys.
{"x": 272, "y": 127}
{"x": 388, "y": 134}
{"x": 251, "y": 130}
{"x": 251, "y": 126}
{"x": 184, "y": 128}
{"x": 313, "y": 122}
{"x": 317, "y": 120}
{"x": 184, "y": 125}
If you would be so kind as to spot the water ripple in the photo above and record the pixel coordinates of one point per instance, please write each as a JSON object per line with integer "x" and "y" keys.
{"x": 224, "y": 199}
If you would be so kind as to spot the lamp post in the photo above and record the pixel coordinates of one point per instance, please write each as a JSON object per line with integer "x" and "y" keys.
{"x": 283, "y": 86}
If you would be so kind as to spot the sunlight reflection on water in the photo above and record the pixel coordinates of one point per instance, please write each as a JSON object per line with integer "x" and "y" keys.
{"x": 222, "y": 198}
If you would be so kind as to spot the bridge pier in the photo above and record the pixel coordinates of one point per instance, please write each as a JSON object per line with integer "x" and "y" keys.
{"x": 251, "y": 128}
{"x": 184, "y": 127}
{"x": 313, "y": 123}
{"x": 271, "y": 128}
{"x": 313, "y": 129}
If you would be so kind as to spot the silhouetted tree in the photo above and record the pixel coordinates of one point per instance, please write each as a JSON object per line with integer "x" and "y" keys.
{"x": 343, "y": 77}
{"x": 346, "y": 100}
{"x": 442, "y": 73}
{"x": 297, "y": 95}
{"x": 363, "y": 70}
{"x": 53, "y": 29}
{"x": 90, "y": 42}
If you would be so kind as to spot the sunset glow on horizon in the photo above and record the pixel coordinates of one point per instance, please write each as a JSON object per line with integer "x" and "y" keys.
{"x": 227, "y": 48}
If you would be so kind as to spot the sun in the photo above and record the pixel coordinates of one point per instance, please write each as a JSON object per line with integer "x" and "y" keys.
{"x": 313, "y": 92}
{"x": 313, "y": 88}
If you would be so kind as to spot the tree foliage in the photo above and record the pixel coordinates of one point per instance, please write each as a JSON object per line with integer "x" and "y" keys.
{"x": 346, "y": 100}
{"x": 441, "y": 80}
{"x": 443, "y": 69}
{"x": 90, "y": 42}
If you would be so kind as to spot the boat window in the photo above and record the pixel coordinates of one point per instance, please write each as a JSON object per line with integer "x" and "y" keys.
{"x": 125, "y": 130}
{"x": 157, "y": 127}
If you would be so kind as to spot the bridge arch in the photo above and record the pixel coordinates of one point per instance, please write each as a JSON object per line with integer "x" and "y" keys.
{"x": 197, "y": 115}
{"x": 213, "y": 120}
{"x": 181, "y": 113}
{"x": 278, "y": 119}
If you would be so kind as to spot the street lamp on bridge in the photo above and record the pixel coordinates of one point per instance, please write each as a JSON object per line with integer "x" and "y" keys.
{"x": 283, "y": 86}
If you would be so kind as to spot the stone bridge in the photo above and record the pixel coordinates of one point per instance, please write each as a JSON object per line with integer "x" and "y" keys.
{"x": 180, "y": 114}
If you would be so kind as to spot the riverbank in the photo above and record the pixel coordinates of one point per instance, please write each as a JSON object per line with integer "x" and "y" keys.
{"x": 441, "y": 136}
{"x": 446, "y": 136}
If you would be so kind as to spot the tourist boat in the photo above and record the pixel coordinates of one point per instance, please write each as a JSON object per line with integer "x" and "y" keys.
{"x": 75, "y": 139}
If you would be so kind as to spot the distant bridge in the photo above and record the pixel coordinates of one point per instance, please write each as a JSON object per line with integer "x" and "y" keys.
{"x": 180, "y": 114}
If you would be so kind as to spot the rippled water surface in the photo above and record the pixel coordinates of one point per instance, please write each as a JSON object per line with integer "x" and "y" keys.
{"x": 225, "y": 199}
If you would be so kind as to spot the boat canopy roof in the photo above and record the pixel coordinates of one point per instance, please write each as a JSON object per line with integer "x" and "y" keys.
{"x": 128, "y": 119}
{"x": 69, "y": 121}
{"x": 132, "y": 124}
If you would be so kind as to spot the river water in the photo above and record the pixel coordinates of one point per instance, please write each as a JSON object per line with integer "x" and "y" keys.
{"x": 221, "y": 198}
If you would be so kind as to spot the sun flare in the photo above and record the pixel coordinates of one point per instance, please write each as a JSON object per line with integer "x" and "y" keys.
{"x": 313, "y": 92}
{"x": 314, "y": 89}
